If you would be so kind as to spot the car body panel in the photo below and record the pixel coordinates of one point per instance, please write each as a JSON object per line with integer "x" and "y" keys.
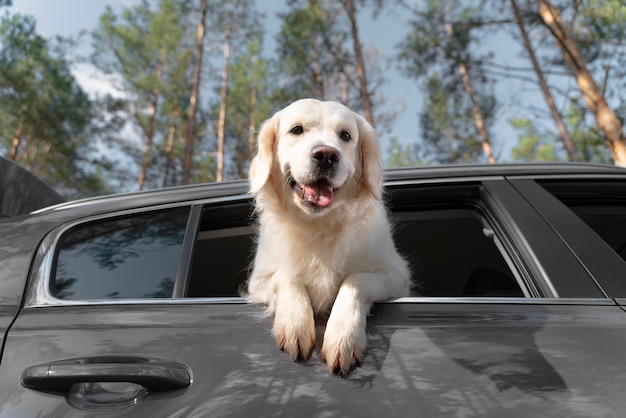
{"x": 533, "y": 356}
{"x": 427, "y": 358}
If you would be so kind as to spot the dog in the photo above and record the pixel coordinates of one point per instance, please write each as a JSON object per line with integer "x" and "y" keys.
{"x": 324, "y": 244}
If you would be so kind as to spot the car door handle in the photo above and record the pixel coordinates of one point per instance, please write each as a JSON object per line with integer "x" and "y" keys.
{"x": 153, "y": 374}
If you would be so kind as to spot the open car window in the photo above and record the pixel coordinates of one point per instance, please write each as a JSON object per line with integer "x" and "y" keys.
{"x": 453, "y": 252}
{"x": 451, "y": 248}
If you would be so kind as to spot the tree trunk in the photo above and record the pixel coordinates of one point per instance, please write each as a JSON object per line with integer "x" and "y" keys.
{"x": 169, "y": 148}
{"x": 318, "y": 82}
{"x": 252, "y": 121}
{"x": 15, "y": 144}
{"x": 360, "y": 65}
{"x": 478, "y": 117}
{"x": 195, "y": 93}
{"x": 568, "y": 143}
{"x": 149, "y": 128}
{"x": 605, "y": 117}
{"x": 221, "y": 121}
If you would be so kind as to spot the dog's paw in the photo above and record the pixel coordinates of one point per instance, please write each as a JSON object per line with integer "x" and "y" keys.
{"x": 343, "y": 347}
{"x": 295, "y": 332}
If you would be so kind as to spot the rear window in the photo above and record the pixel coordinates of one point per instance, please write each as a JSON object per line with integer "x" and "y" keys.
{"x": 600, "y": 204}
{"x": 129, "y": 257}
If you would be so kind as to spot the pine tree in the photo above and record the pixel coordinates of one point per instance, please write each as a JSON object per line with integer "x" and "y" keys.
{"x": 606, "y": 119}
{"x": 438, "y": 49}
{"x": 147, "y": 50}
{"x": 45, "y": 115}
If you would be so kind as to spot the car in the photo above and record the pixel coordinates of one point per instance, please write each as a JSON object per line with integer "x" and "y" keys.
{"x": 128, "y": 305}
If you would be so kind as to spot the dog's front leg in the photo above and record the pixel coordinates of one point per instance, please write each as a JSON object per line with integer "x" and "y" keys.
{"x": 294, "y": 324}
{"x": 345, "y": 338}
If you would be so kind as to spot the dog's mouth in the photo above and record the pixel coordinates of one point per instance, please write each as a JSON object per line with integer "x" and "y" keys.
{"x": 318, "y": 194}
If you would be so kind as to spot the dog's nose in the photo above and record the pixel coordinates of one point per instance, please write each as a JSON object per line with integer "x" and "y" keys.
{"x": 325, "y": 157}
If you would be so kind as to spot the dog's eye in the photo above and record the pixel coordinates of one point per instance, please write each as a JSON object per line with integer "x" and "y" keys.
{"x": 345, "y": 135}
{"x": 297, "y": 130}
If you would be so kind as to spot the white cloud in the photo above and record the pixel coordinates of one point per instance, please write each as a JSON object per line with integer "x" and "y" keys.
{"x": 95, "y": 82}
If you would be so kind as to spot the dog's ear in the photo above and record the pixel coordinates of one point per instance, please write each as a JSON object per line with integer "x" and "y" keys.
{"x": 261, "y": 165}
{"x": 371, "y": 160}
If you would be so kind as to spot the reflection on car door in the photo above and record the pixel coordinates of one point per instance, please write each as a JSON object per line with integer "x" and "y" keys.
{"x": 438, "y": 357}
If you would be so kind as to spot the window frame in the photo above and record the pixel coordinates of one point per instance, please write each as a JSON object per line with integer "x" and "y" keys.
{"x": 68, "y": 232}
{"x": 605, "y": 267}
{"x": 42, "y": 274}
{"x": 505, "y": 208}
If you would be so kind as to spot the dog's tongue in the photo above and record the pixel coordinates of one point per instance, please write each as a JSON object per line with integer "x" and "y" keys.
{"x": 319, "y": 193}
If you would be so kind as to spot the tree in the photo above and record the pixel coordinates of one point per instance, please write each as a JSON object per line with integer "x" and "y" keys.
{"x": 45, "y": 115}
{"x": 533, "y": 145}
{"x": 605, "y": 117}
{"x": 536, "y": 144}
{"x": 311, "y": 51}
{"x": 360, "y": 64}
{"x": 438, "y": 48}
{"x": 195, "y": 92}
{"x": 400, "y": 155}
{"x": 248, "y": 104}
{"x": 236, "y": 23}
{"x": 556, "y": 115}
{"x": 444, "y": 123}
{"x": 146, "y": 49}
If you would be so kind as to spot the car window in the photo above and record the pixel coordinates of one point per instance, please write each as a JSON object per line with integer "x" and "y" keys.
{"x": 450, "y": 246}
{"x": 453, "y": 253}
{"x": 222, "y": 251}
{"x": 127, "y": 257}
{"x": 600, "y": 204}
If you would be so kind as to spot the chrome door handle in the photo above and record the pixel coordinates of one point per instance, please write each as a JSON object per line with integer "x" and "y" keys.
{"x": 153, "y": 374}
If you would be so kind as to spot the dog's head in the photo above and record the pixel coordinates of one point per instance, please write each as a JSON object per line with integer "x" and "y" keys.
{"x": 317, "y": 153}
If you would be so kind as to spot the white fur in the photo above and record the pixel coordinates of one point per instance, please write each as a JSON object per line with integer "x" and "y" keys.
{"x": 333, "y": 261}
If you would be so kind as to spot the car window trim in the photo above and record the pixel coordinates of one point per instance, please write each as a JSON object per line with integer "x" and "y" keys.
{"x": 538, "y": 245}
{"x": 605, "y": 267}
{"x": 38, "y": 293}
{"x": 38, "y": 290}
{"x": 181, "y": 284}
{"x": 466, "y": 300}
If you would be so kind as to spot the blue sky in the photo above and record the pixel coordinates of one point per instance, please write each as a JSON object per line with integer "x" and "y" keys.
{"x": 69, "y": 17}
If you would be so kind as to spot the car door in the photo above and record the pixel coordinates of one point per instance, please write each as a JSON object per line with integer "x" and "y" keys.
{"x": 159, "y": 331}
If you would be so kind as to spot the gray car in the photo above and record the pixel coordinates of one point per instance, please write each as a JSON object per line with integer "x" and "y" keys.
{"x": 128, "y": 305}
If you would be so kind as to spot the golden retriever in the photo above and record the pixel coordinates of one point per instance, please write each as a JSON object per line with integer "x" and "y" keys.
{"x": 324, "y": 246}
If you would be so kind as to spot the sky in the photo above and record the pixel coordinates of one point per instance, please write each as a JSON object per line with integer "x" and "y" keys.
{"x": 69, "y": 17}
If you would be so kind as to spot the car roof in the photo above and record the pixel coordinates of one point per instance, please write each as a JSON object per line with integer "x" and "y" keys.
{"x": 506, "y": 170}
{"x": 239, "y": 188}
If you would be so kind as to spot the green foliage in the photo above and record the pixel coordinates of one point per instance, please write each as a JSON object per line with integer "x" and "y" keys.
{"x": 587, "y": 138}
{"x": 441, "y": 37}
{"x": 449, "y": 133}
{"x": 76, "y": 142}
{"x": 532, "y": 145}
{"x": 311, "y": 54}
{"x": 45, "y": 114}
{"x": 247, "y": 104}
{"x": 150, "y": 50}
{"x": 399, "y": 155}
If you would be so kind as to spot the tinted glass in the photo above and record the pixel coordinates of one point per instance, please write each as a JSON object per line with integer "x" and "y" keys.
{"x": 609, "y": 222}
{"x": 602, "y": 205}
{"x": 453, "y": 253}
{"x": 129, "y": 257}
